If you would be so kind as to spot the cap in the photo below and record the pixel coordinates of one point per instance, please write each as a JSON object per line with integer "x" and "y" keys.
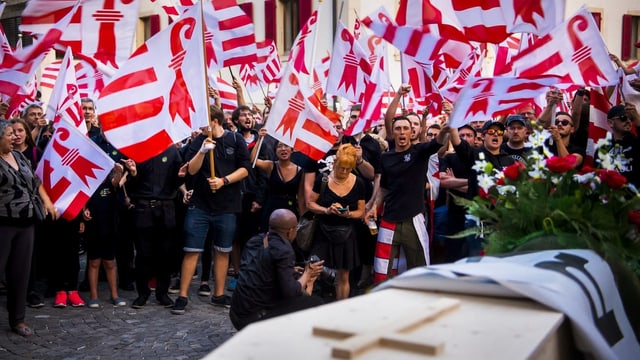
{"x": 491, "y": 123}
{"x": 616, "y": 111}
{"x": 467, "y": 126}
{"x": 513, "y": 118}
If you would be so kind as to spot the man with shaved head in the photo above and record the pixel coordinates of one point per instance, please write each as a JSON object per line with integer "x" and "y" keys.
{"x": 269, "y": 283}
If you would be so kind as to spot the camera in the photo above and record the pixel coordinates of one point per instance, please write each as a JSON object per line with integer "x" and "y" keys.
{"x": 328, "y": 274}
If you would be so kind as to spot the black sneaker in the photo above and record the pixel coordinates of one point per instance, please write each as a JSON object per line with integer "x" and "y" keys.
{"x": 178, "y": 307}
{"x": 140, "y": 302}
{"x": 165, "y": 300}
{"x": 222, "y": 300}
{"x": 204, "y": 290}
{"x": 34, "y": 301}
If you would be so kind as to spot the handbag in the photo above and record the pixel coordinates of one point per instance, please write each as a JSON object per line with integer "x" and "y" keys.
{"x": 307, "y": 224}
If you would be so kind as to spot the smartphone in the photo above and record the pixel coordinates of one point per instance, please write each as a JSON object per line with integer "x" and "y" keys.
{"x": 342, "y": 209}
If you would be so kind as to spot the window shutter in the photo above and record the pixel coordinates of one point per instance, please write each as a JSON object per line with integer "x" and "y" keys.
{"x": 248, "y": 9}
{"x": 625, "y": 52}
{"x": 154, "y": 25}
{"x": 305, "y": 9}
{"x": 270, "y": 20}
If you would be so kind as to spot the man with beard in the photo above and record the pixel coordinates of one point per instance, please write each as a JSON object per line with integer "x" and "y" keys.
{"x": 404, "y": 173}
{"x": 516, "y": 137}
{"x": 559, "y": 143}
{"x": 621, "y": 119}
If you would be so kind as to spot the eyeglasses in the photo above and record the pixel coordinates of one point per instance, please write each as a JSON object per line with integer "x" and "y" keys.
{"x": 563, "y": 122}
{"x": 622, "y": 118}
{"x": 495, "y": 132}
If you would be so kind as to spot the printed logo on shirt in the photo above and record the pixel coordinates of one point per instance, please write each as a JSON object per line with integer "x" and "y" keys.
{"x": 407, "y": 157}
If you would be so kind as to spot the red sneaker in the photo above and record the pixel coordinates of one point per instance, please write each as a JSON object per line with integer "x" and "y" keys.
{"x": 60, "y": 300}
{"x": 75, "y": 299}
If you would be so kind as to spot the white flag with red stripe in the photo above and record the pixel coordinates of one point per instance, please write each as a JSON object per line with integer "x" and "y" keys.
{"x": 232, "y": 34}
{"x": 228, "y": 94}
{"x": 574, "y": 51}
{"x": 300, "y": 56}
{"x": 268, "y": 66}
{"x": 92, "y": 31}
{"x": 350, "y": 68}
{"x": 71, "y": 169}
{"x": 481, "y": 98}
{"x": 599, "y": 106}
{"x": 158, "y": 97}
{"x": 64, "y": 103}
{"x": 249, "y": 77}
{"x": 89, "y": 79}
{"x": 371, "y": 112}
{"x": 424, "y": 43}
{"x": 484, "y": 21}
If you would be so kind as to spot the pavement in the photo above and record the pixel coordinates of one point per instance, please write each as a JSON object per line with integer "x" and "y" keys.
{"x": 118, "y": 332}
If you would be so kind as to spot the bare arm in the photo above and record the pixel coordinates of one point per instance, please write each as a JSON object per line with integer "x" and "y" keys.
{"x": 393, "y": 106}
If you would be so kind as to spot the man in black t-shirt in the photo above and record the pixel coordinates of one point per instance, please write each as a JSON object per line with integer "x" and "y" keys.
{"x": 404, "y": 173}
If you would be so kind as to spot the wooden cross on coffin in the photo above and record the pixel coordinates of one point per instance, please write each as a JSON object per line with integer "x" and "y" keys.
{"x": 390, "y": 335}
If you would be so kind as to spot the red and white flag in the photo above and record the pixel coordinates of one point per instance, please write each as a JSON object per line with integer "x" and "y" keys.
{"x": 416, "y": 75}
{"x": 72, "y": 168}
{"x": 424, "y": 43}
{"x": 173, "y": 8}
{"x": 158, "y": 97}
{"x": 64, "y": 103}
{"x": 228, "y": 95}
{"x": 371, "y": 112}
{"x": 92, "y": 31}
{"x": 599, "y": 106}
{"x": 350, "y": 68}
{"x": 90, "y": 80}
{"x": 297, "y": 122}
{"x": 481, "y": 98}
{"x": 301, "y": 52}
{"x": 249, "y": 77}
{"x": 574, "y": 51}
{"x": 481, "y": 20}
{"x": 268, "y": 61}
{"x": 471, "y": 67}
{"x": 504, "y": 51}
{"x": 232, "y": 34}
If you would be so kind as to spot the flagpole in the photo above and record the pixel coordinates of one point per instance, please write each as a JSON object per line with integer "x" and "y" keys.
{"x": 206, "y": 77}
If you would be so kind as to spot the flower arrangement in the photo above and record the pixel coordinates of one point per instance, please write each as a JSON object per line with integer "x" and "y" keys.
{"x": 547, "y": 200}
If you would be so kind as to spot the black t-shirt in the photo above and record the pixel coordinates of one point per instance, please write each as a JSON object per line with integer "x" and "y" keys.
{"x": 516, "y": 154}
{"x": 469, "y": 155}
{"x": 571, "y": 148}
{"x": 328, "y": 197}
{"x": 404, "y": 175}
{"x": 629, "y": 147}
{"x": 230, "y": 153}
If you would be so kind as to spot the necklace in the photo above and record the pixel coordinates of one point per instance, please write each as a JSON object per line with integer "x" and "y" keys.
{"x": 338, "y": 182}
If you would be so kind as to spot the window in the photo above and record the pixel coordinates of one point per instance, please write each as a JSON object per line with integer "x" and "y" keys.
{"x": 147, "y": 27}
{"x": 630, "y": 36}
{"x": 290, "y": 23}
{"x": 11, "y": 28}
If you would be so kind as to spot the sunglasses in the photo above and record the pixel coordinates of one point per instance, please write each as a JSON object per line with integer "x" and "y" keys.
{"x": 622, "y": 118}
{"x": 563, "y": 122}
{"x": 495, "y": 132}
{"x": 353, "y": 116}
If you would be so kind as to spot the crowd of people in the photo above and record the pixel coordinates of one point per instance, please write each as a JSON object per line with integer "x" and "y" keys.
{"x": 151, "y": 222}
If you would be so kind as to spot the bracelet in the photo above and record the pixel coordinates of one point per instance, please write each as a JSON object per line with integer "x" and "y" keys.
{"x": 225, "y": 180}
{"x": 358, "y": 163}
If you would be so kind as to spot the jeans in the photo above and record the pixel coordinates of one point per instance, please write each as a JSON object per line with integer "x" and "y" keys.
{"x": 197, "y": 223}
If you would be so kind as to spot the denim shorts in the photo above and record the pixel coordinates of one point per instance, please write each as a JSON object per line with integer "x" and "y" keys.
{"x": 197, "y": 223}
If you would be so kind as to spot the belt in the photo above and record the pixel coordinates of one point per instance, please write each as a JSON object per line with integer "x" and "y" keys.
{"x": 152, "y": 203}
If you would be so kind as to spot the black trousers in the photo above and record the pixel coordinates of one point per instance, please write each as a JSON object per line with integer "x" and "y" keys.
{"x": 285, "y": 306}
{"x": 16, "y": 247}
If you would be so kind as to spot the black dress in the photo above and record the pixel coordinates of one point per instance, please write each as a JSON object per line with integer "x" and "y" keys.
{"x": 282, "y": 194}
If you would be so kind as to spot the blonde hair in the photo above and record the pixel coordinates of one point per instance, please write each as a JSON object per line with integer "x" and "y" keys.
{"x": 346, "y": 156}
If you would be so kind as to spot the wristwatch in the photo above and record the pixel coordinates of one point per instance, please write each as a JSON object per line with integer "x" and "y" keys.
{"x": 225, "y": 180}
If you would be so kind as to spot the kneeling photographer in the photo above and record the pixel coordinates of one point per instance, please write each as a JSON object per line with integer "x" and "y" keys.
{"x": 269, "y": 283}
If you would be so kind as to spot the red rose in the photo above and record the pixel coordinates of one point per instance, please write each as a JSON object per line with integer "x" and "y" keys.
{"x": 512, "y": 172}
{"x": 560, "y": 164}
{"x": 586, "y": 169}
{"x": 634, "y": 218}
{"x": 483, "y": 194}
{"x": 612, "y": 178}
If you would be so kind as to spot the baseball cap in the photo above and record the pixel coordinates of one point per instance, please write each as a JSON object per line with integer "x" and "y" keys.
{"x": 491, "y": 123}
{"x": 616, "y": 111}
{"x": 513, "y": 118}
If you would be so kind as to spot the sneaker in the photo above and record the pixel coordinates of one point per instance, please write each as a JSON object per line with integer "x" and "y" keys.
{"x": 232, "y": 284}
{"x": 34, "y": 301}
{"x": 178, "y": 307}
{"x": 175, "y": 288}
{"x": 222, "y": 300}
{"x": 93, "y": 304}
{"x": 140, "y": 302}
{"x": 61, "y": 300}
{"x": 75, "y": 299}
{"x": 164, "y": 300}
{"x": 119, "y": 302}
{"x": 204, "y": 290}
